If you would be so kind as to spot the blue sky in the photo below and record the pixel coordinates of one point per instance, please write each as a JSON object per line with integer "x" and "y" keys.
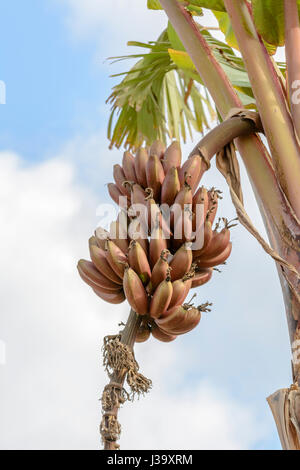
{"x": 53, "y": 88}
{"x": 54, "y": 163}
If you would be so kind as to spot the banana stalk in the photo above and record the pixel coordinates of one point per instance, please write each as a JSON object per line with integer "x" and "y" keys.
{"x": 114, "y": 389}
{"x": 292, "y": 44}
{"x": 271, "y": 103}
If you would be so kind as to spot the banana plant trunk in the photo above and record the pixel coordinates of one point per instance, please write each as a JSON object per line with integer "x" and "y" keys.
{"x": 113, "y": 394}
{"x": 275, "y": 176}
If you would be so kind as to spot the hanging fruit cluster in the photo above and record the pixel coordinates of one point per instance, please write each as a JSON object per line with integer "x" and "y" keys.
{"x": 143, "y": 259}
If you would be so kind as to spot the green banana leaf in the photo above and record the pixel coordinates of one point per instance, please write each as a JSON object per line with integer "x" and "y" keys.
{"x": 217, "y": 5}
{"x": 269, "y": 20}
{"x": 155, "y": 99}
{"x": 195, "y": 5}
{"x": 154, "y": 5}
{"x": 226, "y": 28}
{"x": 175, "y": 41}
{"x": 163, "y": 96}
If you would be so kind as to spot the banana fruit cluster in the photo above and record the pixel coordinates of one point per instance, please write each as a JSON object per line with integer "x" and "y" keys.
{"x": 152, "y": 261}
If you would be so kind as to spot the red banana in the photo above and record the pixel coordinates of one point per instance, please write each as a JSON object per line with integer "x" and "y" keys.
{"x": 112, "y": 297}
{"x": 208, "y": 233}
{"x": 123, "y": 221}
{"x": 143, "y": 333}
{"x": 161, "y": 298}
{"x": 157, "y": 244}
{"x": 191, "y": 172}
{"x": 116, "y": 195}
{"x": 140, "y": 163}
{"x": 98, "y": 256}
{"x": 172, "y": 157}
{"x": 201, "y": 197}
{"x": 88, "y": 272}
{"x": 219, "y": 259}
{"x": 135, "y": 292}
{"x": 183, "y": 228}
{"x": 128, "y": 167}
{"x": 157, "y": 148}
{"x": 184, "y": 197}
{"x": 116, "y": 258}
{"x": 183, "y": 200}
{"x": 137, "y": 232}
{"x": 161, "y": 335}
{"x": 217, "y": 245}
{"x": 137, "y": 194}
{"x": 120, "y": 178}
{"x": 144, "y": 242}
{"x": 181, "y": 262}
{"x": 138, "y": 261}
{"x": 181, "y": 288}
{"x": 213, "y": 201}
{"x": 202, "y": 276}
{"x": 170, "y": 187}
{"x": 101, "y": 236}
{"x": 118, "y": 236}
{"x": 160, "y": 271}
{"x": 155, "y": 175}
{"x": 155, "y": 216}
{"x": 180, "y": 320}
{"x": 95, "y": 286}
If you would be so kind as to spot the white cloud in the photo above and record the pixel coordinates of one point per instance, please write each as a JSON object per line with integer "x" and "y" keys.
{"x": 112, "y": 22}
{"x": 53, "y": 327}
{"x": 89, "y": 17}
{"x": 199, "y": 418}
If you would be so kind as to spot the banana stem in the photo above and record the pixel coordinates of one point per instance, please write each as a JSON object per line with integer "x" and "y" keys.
{"x": 210, "y": 71}
{"x": 270, "y": 101}
{"x": 276, "y": 211}
{"x": 292, "y": 43}
{"x": 226, "y": 132}
{"x": 114, "y": 390}
{"x": 255, "y": 156}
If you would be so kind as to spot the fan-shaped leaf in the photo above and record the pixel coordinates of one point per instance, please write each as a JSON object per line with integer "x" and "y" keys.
{"x": 162, "y": 94}
{"x": 154, "y": 99}
{"x": 182, "y": 60}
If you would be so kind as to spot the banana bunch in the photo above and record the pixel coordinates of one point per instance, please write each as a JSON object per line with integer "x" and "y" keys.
{"x": 151, "y": 260}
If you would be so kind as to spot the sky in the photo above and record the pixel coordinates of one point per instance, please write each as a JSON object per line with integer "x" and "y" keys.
{"x": 54, "y": 164}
